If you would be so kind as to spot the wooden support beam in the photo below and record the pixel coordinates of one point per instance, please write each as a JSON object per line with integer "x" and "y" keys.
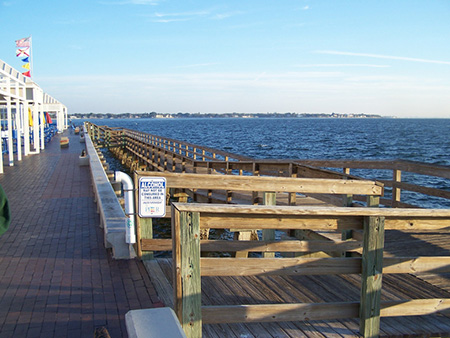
{"x": 146, "y": 229}
{"x": 371, "y": 277}
{"x": 187, "y": 279}
{"x": 269, "y": 198}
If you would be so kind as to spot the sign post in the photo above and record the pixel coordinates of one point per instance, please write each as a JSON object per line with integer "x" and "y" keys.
{"x": 152, "y": 197}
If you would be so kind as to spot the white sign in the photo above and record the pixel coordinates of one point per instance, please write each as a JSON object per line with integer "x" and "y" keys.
{"x": 152, "y": 197}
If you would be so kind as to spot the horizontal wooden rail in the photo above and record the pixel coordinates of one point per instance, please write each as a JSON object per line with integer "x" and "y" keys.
{"x": 225, "y": 188}
{"x": 317, "y": 266}
{"x": 397, "y": 167}
{"x": 259, "y": 246}
{"x": 317, "y": 311}
{"x": 255, "y": 183}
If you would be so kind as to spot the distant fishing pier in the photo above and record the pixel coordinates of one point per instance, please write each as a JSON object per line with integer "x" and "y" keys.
{"x": 349, "y": 261}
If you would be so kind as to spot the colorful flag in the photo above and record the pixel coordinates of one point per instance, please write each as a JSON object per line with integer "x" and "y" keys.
{"x": 26, "y": 66}
{"x": 30, "y": 117}
{"x": 26, "y": 60}
{"x": 25, "y": 42}
{"x": 48, "y": 119}
{"x": 23, "y": 52}
{"x": 27, "y": 74}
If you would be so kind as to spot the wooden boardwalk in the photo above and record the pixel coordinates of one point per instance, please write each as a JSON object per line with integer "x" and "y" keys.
{"x": 294, "y": 289}
{"x": 56, "y": 277}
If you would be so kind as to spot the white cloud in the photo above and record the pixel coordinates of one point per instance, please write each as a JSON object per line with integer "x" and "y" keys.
{"x": 227, "y": 15}
{"x": 176, "y": 17}
{"x": 184, "y": 14}
{"x": 131, "y": 2}
{"x": 338, "y": 65}
{"x": 379, "y": 56}
{"x": 199, "y": 65}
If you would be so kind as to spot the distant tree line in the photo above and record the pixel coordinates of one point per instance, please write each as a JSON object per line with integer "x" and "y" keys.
{"x": 153, "y": 115}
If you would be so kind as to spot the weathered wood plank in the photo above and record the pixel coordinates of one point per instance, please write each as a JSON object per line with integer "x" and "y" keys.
{"x": 259, "y": 246}
{"x": 318, "y": 311}
{"x": 278, "y": 266}
{"x": 314, "y": 210}
{"x": 371, "y": 277}
{"x": 191, "y": 319}
{"x": 260, "y": 183}
{"x": 176, "y": 262}
{"x": 269, "y": 198}
{"x": 288, "y": 222}
{"x": 415, "y": 307}
{"x": 416, "y": 264}
{"x": 317, "y": 266}
{"x": 146, "y": 232}
{"x": 278, "y": 312}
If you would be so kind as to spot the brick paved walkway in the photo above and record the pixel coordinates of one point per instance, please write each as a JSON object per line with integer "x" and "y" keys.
{"x": 56, "y": 278}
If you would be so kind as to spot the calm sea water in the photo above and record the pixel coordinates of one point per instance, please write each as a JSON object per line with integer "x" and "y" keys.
{"x": 424, "y": 140}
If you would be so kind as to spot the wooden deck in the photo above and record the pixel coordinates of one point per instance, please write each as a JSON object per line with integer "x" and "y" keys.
{"x": 294, "y": 289}
{"x": 291, "y": 289}
{"x": 424, "y": 243}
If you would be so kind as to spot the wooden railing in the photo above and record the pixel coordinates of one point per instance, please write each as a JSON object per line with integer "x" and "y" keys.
{"x": 155, "y": 153}
{"x": 245, "y": 190}
{"x": 412, "y": 171}
{"x": 188, "y": 220}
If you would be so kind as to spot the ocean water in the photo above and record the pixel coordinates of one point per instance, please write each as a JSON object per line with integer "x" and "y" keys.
{"x": 423, "y": 140}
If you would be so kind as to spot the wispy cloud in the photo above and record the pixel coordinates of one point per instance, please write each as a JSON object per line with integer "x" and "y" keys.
{"x": 178, "y": 16}
{"x": 199, "y": 65}
{"x": 211, "y": 14}
{"x": 226, "y": 15}
{"x": 339, "y": 65}
{"x": 380, "y": 56}
{"x": 131, "y": 2}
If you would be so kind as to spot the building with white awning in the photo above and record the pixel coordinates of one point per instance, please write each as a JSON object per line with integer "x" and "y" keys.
{"x": 25, "y": 110}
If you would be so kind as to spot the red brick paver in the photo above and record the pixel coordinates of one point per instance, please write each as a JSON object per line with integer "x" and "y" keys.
{"x": 56, "y": 277}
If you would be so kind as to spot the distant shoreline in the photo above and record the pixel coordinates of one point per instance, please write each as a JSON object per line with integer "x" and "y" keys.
{"x": 154, "y": 115}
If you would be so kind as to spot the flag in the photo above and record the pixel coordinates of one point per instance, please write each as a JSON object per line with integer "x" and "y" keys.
{"x": 30, "y": 117}
{"x": 26, "y": 66}
{"x": 48, "y": 118}
{"x": 26, "y": 60}
{"x": 23, "y": 52}
{"x": 27, "y": 74}
{"x": 25, "y": 42}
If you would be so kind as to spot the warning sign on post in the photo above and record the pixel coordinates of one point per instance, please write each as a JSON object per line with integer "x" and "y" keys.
{"x": 152, "y": 197}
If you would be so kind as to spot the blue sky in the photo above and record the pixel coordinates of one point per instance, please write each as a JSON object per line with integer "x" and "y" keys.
{"x": 376, "y": 57}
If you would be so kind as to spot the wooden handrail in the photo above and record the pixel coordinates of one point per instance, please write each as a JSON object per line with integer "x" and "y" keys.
{"x": 189, "y": 219}
{"x": 229, "y": 184}
{"x": 174, "y": 155}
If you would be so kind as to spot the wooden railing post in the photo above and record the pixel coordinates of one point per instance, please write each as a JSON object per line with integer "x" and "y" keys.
{"x": 269, "y": 198}
{"x": 347, "y": 202}
{"x": 292, "y": 173}
{"x": 187, "y": 278}
{"x": 371, "y": 277}
{"x": 396, "y": 191}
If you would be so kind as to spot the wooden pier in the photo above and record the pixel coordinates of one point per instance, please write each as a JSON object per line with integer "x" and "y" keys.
{"x": 343, "y": 268}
